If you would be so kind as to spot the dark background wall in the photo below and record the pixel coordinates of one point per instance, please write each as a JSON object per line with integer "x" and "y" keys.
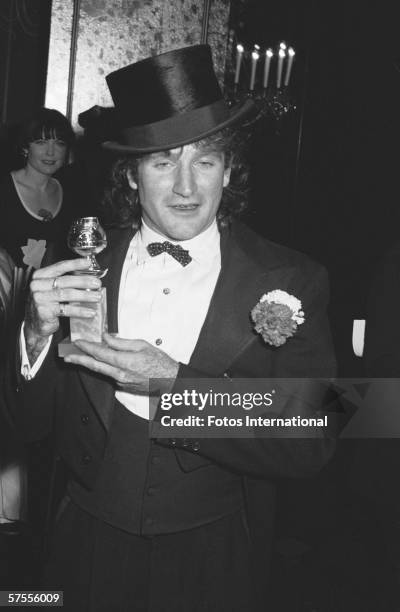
{"x": 327, "y": 183}
{"x": 24, "y": 41}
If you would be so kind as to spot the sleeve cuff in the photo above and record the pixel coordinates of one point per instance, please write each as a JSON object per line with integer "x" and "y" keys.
{"x": 27, "y": 371}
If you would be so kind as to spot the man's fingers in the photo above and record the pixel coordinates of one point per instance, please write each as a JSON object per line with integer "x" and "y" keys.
{"x": 81, "y": 281}
{"x": 98, "y": 351}
{"x": 102, "y": 352}
{"x": 124, "y": 344}
{"x": 62, "y": 267}
{"x": 97, "y": 366}
{"x": 49, "y": 313}
{"x": 67, "y": 295}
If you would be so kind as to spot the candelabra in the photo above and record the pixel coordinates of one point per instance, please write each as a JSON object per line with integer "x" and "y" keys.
{"x": 270, "y": 90}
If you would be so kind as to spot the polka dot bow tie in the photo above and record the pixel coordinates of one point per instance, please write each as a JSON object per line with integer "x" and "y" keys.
{"x": 175, "y": 250}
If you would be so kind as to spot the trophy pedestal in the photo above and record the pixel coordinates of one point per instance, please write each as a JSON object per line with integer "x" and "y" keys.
{"x": 86, "y": 329}
{"x": 66, "y": 347}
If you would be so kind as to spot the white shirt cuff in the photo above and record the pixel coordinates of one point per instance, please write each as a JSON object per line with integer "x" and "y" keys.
{"x": 28, "y": 371}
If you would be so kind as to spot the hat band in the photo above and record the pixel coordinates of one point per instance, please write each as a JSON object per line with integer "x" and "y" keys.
{"x": 177, "y": 128}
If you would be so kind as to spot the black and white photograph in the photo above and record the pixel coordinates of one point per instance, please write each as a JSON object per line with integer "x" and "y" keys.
{"x": 199, "y": 306}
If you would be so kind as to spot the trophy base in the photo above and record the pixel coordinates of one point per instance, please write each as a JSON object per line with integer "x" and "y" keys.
{"x": 66, "y": 347}
{"x": 90, "y": 330}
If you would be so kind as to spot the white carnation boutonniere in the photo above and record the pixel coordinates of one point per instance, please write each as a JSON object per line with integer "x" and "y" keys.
{"x": 277, "y": 316}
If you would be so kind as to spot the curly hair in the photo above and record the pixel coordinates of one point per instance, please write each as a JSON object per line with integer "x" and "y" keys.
{"x": 120, "y": 206}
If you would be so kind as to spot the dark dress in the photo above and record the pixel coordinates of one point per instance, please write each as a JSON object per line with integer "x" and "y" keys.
{"x": 18, "y": 226}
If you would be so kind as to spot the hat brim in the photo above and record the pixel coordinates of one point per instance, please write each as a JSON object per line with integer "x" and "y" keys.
{"x": 169, "y": 140}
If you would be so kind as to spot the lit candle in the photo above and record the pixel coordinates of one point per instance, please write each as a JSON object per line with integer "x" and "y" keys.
{"x": 291, "y": 54}
{"x": 268, "y": 56}
{"x": 239, "y": 56}
{"x": 254, "y": 59}
{"x": 283, "y": 46}
{"x": 281, "y": 57}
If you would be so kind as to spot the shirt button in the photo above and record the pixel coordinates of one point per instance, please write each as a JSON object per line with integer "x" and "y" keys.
{"x": 155, "y": 460}
{"x": 86, "y": 459}
{"x": 166, "y": 291}
{"x": 151, "y": 491}
{"x": 158, "y": 341}
{"x": 196, "y": 446}
{"x": 84, "y": 419}
{"x": 149, "y": 521}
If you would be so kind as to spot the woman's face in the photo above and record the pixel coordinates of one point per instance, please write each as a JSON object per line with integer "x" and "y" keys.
{"x": 46, "y": 155}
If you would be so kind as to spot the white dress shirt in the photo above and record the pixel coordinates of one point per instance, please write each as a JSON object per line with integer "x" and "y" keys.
{"x": 160, "y": 300}
{"x": 163, "y": 302}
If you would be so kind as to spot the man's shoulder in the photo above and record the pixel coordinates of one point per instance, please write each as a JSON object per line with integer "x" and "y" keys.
{"x": 271, "y": 254}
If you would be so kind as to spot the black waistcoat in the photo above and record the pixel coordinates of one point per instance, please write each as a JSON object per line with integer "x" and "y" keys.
{"x": 142, "y": 488}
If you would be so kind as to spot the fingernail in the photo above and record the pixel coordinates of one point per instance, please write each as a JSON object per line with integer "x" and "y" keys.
{"x": 95, "y": 282}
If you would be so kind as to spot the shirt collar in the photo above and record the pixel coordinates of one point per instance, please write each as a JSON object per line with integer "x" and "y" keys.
{"x": 202, "y": 248}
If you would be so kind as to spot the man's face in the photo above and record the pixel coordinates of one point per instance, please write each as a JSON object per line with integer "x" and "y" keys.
{"x": 180, "y": 190}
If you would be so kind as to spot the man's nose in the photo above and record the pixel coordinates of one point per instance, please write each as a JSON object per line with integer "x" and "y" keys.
{"x": 184, "y": 184}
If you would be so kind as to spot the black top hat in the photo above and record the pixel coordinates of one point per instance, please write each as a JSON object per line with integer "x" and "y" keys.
{"x": 169, "y": 100}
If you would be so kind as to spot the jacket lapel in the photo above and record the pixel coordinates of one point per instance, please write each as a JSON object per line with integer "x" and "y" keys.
{"x": 100, "y": 390}
{"x": 228, "y": 330}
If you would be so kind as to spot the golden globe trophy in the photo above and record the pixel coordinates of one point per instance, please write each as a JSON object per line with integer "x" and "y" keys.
{"x": 87, "y": 238}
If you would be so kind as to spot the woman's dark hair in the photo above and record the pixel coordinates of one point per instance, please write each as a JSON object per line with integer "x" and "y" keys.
{"x": 121, "y": 207}
{"x": 45, "y": 123}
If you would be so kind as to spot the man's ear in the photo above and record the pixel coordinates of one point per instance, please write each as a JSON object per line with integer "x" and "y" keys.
{"x": 227, "y": 176}
{"x": 131, "y": 180}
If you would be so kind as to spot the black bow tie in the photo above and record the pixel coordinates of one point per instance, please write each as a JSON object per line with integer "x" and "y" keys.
{"x": 175, "y": 250}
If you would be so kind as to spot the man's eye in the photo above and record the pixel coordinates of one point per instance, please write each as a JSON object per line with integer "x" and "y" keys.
{"x": 39, "y": 141}
{"x": 162, "y": 164}
{"x": 206, "y": 163}
{"x": 61, "y": 143}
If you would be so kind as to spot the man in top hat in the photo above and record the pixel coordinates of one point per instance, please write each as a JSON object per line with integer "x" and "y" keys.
{"x": 168, "y": 524}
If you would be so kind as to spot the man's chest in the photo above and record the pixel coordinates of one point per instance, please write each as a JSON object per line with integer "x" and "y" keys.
{"x": 165, "y": 304}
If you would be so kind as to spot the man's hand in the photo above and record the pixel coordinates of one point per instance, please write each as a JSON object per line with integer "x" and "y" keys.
{"x": 131, "y": 363}
{"x": 50, "y": 288}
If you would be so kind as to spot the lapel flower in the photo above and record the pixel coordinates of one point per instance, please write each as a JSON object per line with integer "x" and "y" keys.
{"x": 277, "y": 316}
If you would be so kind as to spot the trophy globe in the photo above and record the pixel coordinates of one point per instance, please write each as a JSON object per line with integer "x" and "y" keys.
{"x": 87, "y": 238}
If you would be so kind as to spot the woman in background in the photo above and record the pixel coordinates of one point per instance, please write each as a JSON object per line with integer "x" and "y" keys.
{"x": 36, "y": 211}
{"x": 35, "y": 208}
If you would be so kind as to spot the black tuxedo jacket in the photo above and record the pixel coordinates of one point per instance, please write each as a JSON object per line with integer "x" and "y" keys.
{"x": 227, "y": 345}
